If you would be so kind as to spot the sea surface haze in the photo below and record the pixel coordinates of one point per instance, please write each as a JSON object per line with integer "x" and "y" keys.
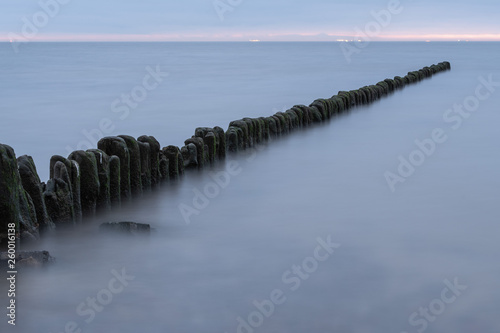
{"x": 414, "y": 255}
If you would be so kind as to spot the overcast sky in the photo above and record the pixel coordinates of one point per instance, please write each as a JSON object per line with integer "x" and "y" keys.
{"x": 208, "y": 20}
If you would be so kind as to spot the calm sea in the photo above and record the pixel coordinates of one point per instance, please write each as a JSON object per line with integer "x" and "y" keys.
{"x": 383, "y": 220}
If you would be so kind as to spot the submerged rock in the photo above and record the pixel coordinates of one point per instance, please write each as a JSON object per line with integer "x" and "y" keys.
{"x": 125, "y": 228}
{"x": 29, "y": 259}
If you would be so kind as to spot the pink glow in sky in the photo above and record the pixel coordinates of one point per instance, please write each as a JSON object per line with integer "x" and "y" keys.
{"x": 291, "y": 20}
{"x": 246, "y": 37}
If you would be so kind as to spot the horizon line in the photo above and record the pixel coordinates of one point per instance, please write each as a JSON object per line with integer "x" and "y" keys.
{"x": 291, "y": 37}
{"x": 251, "y": 41}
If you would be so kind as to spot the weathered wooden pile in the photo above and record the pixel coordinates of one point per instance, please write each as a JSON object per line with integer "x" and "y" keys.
{"x": 123, "y": 167}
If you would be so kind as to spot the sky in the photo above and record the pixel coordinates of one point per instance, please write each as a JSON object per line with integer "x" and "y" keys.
{"x": 243, "y": 20}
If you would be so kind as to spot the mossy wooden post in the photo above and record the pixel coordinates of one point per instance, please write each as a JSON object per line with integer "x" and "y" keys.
{"x": 114, "y": 145}
{"x": 135, "y": 164}
{"x": 232, "y": 139}
{"x": 172, "y": 153}
{"x": 211, "y": 143}
{"x": 154, "y": 161}
{"x": 244, "y": 140}
{"x": 283, "y": 127}
{"x": 104, "y": 198}
{"x": 32, "y": 184}
{"x": 164, "y": 168}
{"x": 221, "y": 142}
{"x": 321, "y": 106}
{"x": 210, "y": 140}
{"x": 89, "y": 181}
{"x": 265, "y": 128}
{"x": 200, "y": 150}
{"x": 73, "y": 171}
{"x": 145, "y": 153}
{"x": 115, "y": 181}
{"x": 251, "y": 131}
{"x": 58, "y": 196}
{"x": 190, "y": 156}
{"x": 15, "y": 203}
{"x": 294, "y": 120}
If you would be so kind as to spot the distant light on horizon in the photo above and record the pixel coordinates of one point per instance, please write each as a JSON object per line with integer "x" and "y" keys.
{"x": 248, "y": 37}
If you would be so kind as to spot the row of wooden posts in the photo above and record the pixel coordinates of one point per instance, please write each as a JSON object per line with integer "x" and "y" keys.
{"x": 123, "y": 167}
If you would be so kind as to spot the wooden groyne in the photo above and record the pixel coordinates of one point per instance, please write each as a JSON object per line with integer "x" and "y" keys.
{"x": 123, "y": 167}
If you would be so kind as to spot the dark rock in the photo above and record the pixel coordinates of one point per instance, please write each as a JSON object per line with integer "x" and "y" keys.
{"x": 28, "y": 259}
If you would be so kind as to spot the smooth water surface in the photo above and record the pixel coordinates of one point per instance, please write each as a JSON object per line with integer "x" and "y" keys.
{"x": 393, "y": 249}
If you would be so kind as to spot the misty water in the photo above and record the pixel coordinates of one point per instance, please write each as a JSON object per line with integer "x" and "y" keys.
{"x": 397, "y": 251}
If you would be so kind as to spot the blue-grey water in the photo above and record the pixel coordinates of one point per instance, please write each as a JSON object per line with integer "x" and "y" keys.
{"x": 420, "y": 256}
